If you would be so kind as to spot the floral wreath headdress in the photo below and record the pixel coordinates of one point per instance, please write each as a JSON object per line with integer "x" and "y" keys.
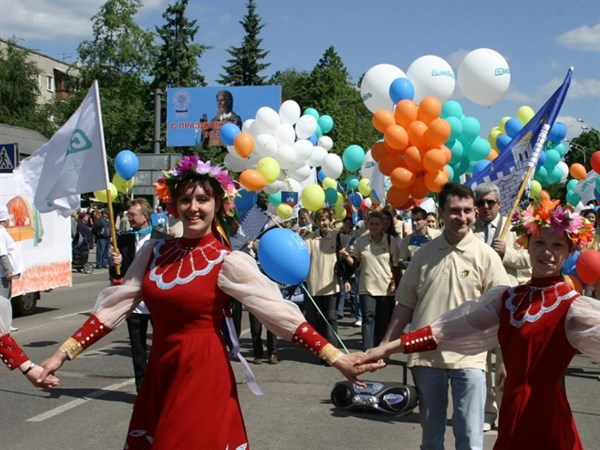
{"x": 557, "y": 218}
{"x": 166, "y": 185}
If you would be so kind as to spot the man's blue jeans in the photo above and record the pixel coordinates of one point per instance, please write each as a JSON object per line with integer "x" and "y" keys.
{"x": 468, "y": 397}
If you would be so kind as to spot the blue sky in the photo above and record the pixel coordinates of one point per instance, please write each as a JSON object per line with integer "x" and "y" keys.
{"x": 539, "y": 39}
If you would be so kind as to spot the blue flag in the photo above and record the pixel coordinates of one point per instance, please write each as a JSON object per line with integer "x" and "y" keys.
{"x": 508, "y": 170}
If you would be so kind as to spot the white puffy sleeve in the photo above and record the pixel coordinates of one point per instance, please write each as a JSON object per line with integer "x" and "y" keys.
{"x": 115, "y": 303}
{"x": 241, "y": 279}
{"x": 582, "y": 326}
{"x": 472, "y": 327}
{"x": 5, "y": 315}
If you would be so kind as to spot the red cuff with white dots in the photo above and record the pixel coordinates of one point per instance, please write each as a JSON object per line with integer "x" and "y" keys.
{"x": 306, "y": 336}
{"x": 91, "y": 331}
{"x": 420, "y": 340}
{"x": 10, "y": 352}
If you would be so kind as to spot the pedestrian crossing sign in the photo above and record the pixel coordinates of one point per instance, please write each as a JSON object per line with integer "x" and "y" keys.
{"x": 8, "y": 157}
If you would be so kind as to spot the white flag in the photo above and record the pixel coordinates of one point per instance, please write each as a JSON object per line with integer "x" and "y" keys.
{"x": 72, "y": 162}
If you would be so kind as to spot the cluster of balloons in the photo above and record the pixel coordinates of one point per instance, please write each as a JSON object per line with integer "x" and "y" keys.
{"x": 126, "y": 166}
{"x": 581, "y": 180}
{"x": 483, "y": 76}
{"x": 582, "y": 268}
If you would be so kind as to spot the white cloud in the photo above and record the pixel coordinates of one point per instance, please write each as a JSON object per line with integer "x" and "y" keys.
{"x": 585, "y": 88}
{"x": 573, "y": 126}
{"x": 583, "y": 38}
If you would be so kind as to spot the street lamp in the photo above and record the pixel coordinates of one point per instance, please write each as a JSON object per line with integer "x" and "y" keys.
{"x": 577, "y": 147}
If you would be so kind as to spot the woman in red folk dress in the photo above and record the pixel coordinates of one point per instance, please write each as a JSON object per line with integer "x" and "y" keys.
{"x": 540, "y": 326}
{"x": 188, "y": 398}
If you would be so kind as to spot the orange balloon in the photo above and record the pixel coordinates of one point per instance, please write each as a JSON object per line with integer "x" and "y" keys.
{"x": 436, "y": 180}
{"x": 396, "y": 137}
{"x": 416, "y": 134}
{"x": 388, "y": 162}
{"x": 413, "y": 159}
{"x": 383, "y": 119}
{"x": 243, "y": 144}
{"x": 396, "y": 197}
{"x": 252, "y": 180}
{"x": 438, "y": 132}
{"x": 544, "y": 195}
{"x": 429, "y": 109}
{"x": 418, "y": 188}
{"x": 578, "y": 171}
{"x": 434, "y": 160}
{"x": 378, "y": 149}
{"x": 492, "y": 155}
{"x": 595, "y": 161}
{"x": 574, "y": 283}
{"x": 402, "y": 178}
{"x": 406, "y": 112}
{"x": 588, "y": 266}
{"x": 447, "y": 152}
{"x": 409, "y": 204}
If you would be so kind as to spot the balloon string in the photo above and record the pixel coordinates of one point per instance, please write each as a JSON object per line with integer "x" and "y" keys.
{"x": 325, "y": 319}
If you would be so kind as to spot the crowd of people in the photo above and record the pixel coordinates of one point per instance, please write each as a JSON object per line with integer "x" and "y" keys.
{"x": 477, "y": 302}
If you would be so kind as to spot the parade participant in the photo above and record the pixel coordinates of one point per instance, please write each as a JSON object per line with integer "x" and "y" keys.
{"x": 11, "y": 261}
{"x": 189, "y": 398}
{"x": 451, "y": 269}
{"x": 419, "y": 237}
{"x": 13, "y": 356}
{"x": 540, "y": 326}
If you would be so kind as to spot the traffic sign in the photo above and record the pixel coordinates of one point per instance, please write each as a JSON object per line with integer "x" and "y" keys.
{"x": 8, "y": 157}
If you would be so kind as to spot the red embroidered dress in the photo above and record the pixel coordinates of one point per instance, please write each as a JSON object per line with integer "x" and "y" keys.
{"x": 539, "y": 326}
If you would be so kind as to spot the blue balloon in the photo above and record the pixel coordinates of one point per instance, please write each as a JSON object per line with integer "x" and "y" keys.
{"x": 512, "y": 127}
{"x": 355, "y": 198}
{"x": 401, "y": 89}
{"x": 557, "y": 132}
{"x": 126, "y": 164}
{"x": 541, "y": 159}
{"x": 569, "y": 267}
{"x": 480, "y": 166}
{"x": 321, "y": 175}
{"x": 314, "y": 139}
{"x": 228, "y": 132}
{"x": 283, "y": 256}
{"x": 502, "y": 141}
{"x": 245, "y": 200}
{"x": 597, "y": 193}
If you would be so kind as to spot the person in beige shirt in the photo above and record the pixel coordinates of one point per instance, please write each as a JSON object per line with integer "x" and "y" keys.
{"x": 452, "y": 269}
{"x": 419, "y": 237}
{"x": 375, "y": 254}
{"x": 321, "y": 282}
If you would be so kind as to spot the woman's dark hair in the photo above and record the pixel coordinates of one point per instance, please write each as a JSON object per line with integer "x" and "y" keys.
{"x": 391, "y": 229}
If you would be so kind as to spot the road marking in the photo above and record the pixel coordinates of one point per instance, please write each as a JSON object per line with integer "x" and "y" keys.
{"x": 80, "y": 401}
{"x": 72, "y": 314}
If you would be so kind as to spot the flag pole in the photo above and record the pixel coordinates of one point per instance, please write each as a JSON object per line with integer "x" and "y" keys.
{"x": 111, "y": 215}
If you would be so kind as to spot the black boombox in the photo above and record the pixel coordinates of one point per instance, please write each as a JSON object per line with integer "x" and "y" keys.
{"x": 387, "y": 398}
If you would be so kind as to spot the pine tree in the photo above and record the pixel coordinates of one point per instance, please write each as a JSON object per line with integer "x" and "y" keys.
{"x": 177, "y": 62}
{"x": 244, "y": 67}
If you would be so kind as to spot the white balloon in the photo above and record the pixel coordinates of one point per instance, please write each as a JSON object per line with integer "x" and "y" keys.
{"x": 484, "y": 76}
{"x": 289, "y": 112}
{"x": 375, "y": 86}
{"x": 247, "y": 124}
{"x": 271, "y": 188}
{"x": 300, "y": 174}
{"x": 235, "y": 163}
{"x": 231, "y": 149}
{"x": 304, "y": 149}
{"x": 306, "y": 126}
{"x": 253, "y": 160}
{"x": 265, "y": 145}
{"x": 326, "y": 142}
{"x": 565, "y": 170}
{"x": 285, "y": 156}
{"x": 257, "y": 128}
{"x": 268, "y": 118}
{"x": 431, "y": 75}
{"x": 333, "y": 166}
{"x": 285, "y": 134}
{"x": 317, "y": 156}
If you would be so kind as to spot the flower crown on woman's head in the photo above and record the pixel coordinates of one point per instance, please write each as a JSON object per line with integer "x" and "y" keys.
{"x": 557, "y": 218}
{"x": 165, "y": 185}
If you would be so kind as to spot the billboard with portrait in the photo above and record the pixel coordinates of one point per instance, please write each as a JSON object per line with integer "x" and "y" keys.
{"x": 195, "y": 115}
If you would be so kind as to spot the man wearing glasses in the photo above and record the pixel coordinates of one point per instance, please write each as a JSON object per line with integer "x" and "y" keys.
{"x": 488, "y": 227}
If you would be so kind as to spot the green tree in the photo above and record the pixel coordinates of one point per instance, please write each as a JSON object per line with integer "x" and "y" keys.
{"x": 244, "y": 66}
{"x": 19, "y": 89}
{"x": 177, "y": 61}
{"x": 120, "y": 56}
{"x": 582, "y": 147}
{"x": 294, "y": 85}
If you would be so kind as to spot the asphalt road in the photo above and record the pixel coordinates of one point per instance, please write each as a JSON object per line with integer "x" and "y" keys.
{"x": 91, "y": 407}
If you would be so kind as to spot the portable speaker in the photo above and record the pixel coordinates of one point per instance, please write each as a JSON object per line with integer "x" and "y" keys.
{"x": 387, "y": 398}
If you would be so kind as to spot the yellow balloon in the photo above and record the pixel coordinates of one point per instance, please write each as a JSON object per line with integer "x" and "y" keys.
{"x": 364, "y": 187}
{"x": 502, "y": 123}
{"x": 340, "y": 200}
{"x": 121, "y": 184}
{"x": 329, "y": 183}
{"x": 525, "y": 114}
{"x": 535, "y": 189}
{"x": 493, "y": 136}
{"x": 102, "y": 195}
{"x": 339, "y": 213}
{"x": 313, "y": 197}
{"x": 284, "y": 211}
{"x": 269, "y": 168}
